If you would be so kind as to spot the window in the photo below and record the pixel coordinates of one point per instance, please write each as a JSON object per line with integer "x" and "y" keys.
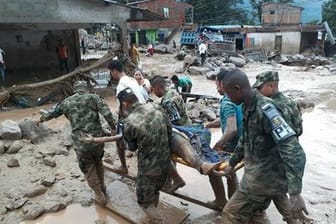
{"x": 272, "y": 12}
{"x": 166, "y": 12}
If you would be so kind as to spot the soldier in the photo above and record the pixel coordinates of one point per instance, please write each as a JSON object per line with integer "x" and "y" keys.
{"x": 230, "y": 122}
{"x": 147, "y": 128}
{"x": 274, "y": 160}
{"x": 267, "y": 83}
{"x": 175, "y": 108}
{"x": 82, "y": 110}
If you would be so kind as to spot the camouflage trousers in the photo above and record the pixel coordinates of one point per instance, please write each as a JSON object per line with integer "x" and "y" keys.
{"x": 281, "y": 202}
{"x": 89, "y": 156}
{"x": 244, "y": 208}
{"x": 148, "y": 189}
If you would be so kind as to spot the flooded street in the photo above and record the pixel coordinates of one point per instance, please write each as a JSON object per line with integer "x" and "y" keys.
{"x": 318, "y": 141}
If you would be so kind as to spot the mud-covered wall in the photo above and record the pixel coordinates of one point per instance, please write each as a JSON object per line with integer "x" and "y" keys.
{"x": 31, "y": 55}
{"x": 290, "y": 41}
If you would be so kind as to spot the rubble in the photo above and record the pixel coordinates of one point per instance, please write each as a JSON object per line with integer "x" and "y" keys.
{"x": 193, "y": 70}
{"x": 49, "y": 162}
{"x": 301, "y": 60}
{"x": 33, "y": 131}
{"x": 163, "y": 49}
{"x": 15, "y": 147}
{"x": 33, "y": 191}
{"x": 10, "y": 130}
{"x": 48, "y": 180}
{"x": 237, "y": 61}
{"x": 13, "y": 163}
{"x": 2, "y": 147}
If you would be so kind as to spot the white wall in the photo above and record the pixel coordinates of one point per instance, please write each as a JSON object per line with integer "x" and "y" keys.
{"x": 290, "y": 41}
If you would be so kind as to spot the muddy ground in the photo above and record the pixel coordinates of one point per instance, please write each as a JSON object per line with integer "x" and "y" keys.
{"x": 21, "y": 196}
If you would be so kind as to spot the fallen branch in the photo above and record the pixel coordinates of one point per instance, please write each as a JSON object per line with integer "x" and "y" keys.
{"x": 77, "y": 71}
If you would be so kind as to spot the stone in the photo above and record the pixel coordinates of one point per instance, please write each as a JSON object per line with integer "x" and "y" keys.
{"x": 194, "y": 70}
{"x": 2, "y": 147}
{"x": 130, "y": 154}
{"x": 208, "y": 115}
{"x": 54, "y": 205}
{"x": 48, "y": 181}
{"x": 15, "y": 147}
{"x": 239, "y": 62}
{"x": 67, "y": 140}
{"x": 35, "y": 191}
{"x": 49, "y": 162}
{"x": 212, "y": 75}
{"x": 163, "y": 49}
{"x": 32, "y": 211}
{"x": 191, "y": 60}
{"x": 10, "y": 130}
{"x": 3, "y": 210}
{"x": 33, "y": 131}
{"x": 13, "y": 163}
{"x": 19, "y": 203}
{"x": 63, "y": 152}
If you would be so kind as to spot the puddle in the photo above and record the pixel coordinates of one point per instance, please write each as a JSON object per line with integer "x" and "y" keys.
{"x": 77, "y": 214}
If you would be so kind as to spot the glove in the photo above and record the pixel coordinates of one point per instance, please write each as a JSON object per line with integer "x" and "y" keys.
{"x": 297, "y": 207}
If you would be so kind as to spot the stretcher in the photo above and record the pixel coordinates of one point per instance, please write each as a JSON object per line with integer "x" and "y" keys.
{"x": 177, "y": 159}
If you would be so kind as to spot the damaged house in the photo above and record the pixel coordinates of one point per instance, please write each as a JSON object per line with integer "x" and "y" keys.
{"x": 281, "y": 31}
{"x": 177, "y": 14}
{"x": 31, "y": 30}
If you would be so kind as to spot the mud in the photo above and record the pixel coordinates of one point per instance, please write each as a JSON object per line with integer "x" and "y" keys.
{"x": 318, "y": 141}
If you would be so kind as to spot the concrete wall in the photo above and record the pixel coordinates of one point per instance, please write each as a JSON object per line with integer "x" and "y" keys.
{"x": 61, "y": 11}
{"x": 280, "y": 14}
{"x": 31, "y": 55}
{"x": 175, "y": 19}
{"x": 290, "y": 41}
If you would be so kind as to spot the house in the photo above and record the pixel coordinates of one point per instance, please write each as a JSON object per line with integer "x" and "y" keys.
{"x": 177, "y": 14}
{"x": 281, "y": 31}
{"x": 31, "y": 30}
{"x": 280, "y": 14}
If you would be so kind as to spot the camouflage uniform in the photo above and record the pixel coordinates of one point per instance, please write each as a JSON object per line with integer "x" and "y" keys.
{"x": 270, "y": 169}
{"x": 82, "y": 110}
{"x": 148, "y": 129}
{"x": 292, "y": 114}
{"x": 177, "y": 100}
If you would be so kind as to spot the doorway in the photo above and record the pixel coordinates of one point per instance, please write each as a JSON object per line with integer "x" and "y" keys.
{"x": 278, "y": 44}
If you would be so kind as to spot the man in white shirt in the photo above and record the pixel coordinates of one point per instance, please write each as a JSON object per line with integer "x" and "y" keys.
{"x": 117, "y": 72}
{"x": 2, "y": 68}
{"x": 202, "y": 48}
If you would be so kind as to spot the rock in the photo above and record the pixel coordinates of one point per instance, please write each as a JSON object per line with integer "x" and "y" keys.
{"x": 13, "y": 163}
{"x": 48, "y": 181}
{"x": 32, "y": 211}
{"x": 33, "y": 132}
{"x": 208, "y": 115}
{"x": 2, "y": 147}
{"x": 239, "y": 62}
{"x": 10, "y": 130}
{"x": 228, "y": 66}
{"x": 19, "y": 203}
{"x": 190, "y": 60}
{"x": 163, "y": 49}
{"x": 49, "y": 162}
{"x": 38, "y": 155}
{"x": 212, "y": 75}
{"x": 54, "y": 205}
{"x": 130, "y": 154}
{"x": 181, "y": 55}
{"x": 35, "y": 190}
{"x": 67, "y": 136}
{"x": 63, "y": 152}
{"x": 193, "y": 70}
{"x": 15, "y": 147}
{"x": 3, "y": 210}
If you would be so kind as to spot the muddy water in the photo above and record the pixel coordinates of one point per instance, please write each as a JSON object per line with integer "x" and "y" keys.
{"x": 318, "y": 141}
{"x": 77, "y": 214}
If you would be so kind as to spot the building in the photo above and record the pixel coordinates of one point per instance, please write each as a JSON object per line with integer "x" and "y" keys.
{"x": 177, "y": 14}
{"x": 281, "y": 31}
{"x": 280, "y": 14}
{"x": 30, "y": 32}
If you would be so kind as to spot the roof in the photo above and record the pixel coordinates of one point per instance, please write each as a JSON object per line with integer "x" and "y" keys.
{"x": 282, "y": 4}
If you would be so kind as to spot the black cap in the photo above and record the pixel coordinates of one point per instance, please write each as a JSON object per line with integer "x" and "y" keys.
{"x": 125, "y": 94}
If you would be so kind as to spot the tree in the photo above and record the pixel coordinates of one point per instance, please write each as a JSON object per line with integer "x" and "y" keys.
{"x": 329, "y": 14}
{"x": 256, "y": 7}
{"x": 218, "y": 12}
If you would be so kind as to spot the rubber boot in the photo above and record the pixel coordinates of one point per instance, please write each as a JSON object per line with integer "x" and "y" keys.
{"x": 94, "y": 183}
{"x": 154, "y": 215}
{"x": 219, "y": 191}
{"x": 260, "y": 217}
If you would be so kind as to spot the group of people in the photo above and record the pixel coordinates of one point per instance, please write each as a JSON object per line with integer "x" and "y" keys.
{"x": 260, "y": 126}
